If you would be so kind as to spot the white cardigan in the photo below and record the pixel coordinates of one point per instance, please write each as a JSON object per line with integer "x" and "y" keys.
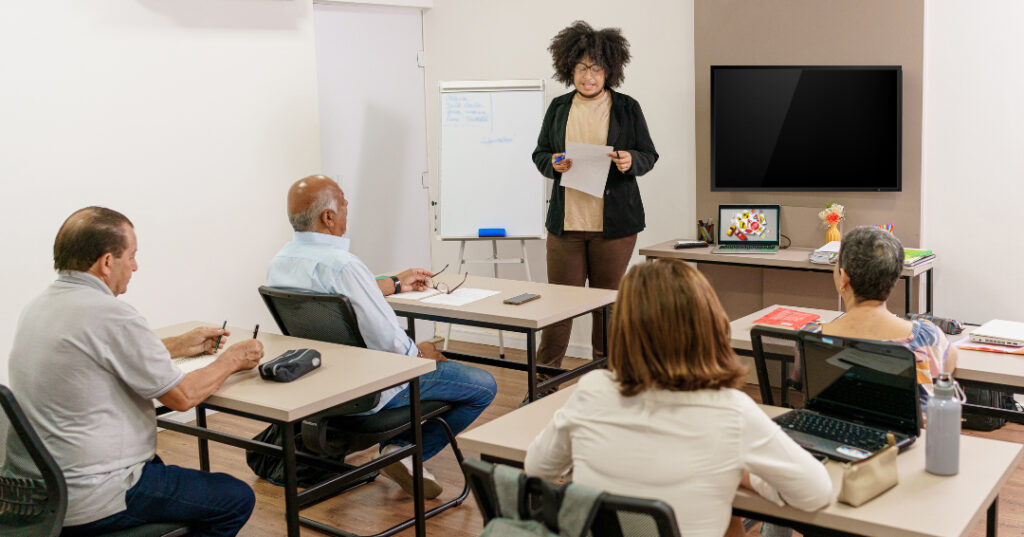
{"x": 686, "y": 448}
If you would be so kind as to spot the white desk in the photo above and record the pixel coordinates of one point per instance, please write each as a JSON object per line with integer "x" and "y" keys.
{"x": 345, "y": 373}
{"x": 922, "y": 505}
{"x": 792, "y": 258}
{"x": 981, "y": 369}
{"x": 556, "y": 303}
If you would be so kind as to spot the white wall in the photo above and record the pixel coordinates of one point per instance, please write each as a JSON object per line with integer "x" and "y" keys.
{"x": 481, "y": 40}
{"x": 192, "y": 117}
{"x": 973, "y": 156}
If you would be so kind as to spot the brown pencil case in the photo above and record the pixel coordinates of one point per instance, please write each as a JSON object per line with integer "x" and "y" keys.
{"x": 866, "y": 479}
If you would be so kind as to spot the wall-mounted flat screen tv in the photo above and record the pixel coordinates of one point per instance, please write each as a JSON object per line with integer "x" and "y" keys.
{"x": 806, "y": 128}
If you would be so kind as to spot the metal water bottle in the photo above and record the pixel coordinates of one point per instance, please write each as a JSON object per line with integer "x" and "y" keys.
{"x": 942, "y": 442}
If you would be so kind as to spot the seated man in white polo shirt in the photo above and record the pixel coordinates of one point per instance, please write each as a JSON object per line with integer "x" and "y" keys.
{"x": 86, "y": 367}
{"x": 317, "y": 259}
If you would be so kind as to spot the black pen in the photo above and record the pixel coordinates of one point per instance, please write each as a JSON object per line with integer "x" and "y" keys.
{"x": 256, "y": 330}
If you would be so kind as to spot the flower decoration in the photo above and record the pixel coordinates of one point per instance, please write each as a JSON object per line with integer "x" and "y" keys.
{"x": 832, "y": 215}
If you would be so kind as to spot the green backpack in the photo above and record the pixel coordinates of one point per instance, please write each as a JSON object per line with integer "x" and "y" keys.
{"x": 531, "y": 507}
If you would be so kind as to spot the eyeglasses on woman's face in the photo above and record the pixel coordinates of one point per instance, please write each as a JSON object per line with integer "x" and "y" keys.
{"x": 444, "y": 288}
{"x": 582, "y": 69}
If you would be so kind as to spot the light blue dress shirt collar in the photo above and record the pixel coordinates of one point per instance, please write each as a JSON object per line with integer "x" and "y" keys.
{"x": 313, "y": 237}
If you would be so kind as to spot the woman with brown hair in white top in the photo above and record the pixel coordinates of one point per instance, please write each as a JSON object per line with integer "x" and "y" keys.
{"x": 666, "y": 420}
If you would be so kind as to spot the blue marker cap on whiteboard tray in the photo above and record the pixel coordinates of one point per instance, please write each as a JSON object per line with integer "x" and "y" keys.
{"x": 491, "y": 232}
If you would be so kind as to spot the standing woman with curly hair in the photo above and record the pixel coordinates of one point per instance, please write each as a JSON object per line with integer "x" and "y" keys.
{"x": 591, "y": 238}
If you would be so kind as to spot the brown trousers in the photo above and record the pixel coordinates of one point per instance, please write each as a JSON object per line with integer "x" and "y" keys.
{"x": 573, "y": 258}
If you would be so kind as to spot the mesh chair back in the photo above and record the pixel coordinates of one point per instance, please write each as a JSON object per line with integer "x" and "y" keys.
{"x": 758, "y": 336}
{"x": 625, "y": 516}
{"x": 617, "y": 516}
{"x": 33, "y": 494}
{"x": 317, "y": 316}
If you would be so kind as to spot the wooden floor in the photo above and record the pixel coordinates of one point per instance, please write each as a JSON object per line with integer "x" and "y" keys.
{"x": 380, "y": 504}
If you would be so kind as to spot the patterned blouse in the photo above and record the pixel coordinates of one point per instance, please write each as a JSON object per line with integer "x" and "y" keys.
{"x": 930, "y": 347}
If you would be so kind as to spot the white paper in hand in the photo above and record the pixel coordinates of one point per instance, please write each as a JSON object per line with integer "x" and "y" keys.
{"x": 589, "y": 170}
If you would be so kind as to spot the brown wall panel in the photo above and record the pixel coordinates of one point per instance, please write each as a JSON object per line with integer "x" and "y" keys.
{"x": 813, "y": 32}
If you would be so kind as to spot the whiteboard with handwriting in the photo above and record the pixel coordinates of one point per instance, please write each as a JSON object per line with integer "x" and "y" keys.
{"x": 487, "y": 176}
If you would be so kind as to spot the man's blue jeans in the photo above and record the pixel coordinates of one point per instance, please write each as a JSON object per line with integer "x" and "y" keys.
{"x": 469, "y": 388}
{"x": 215, "y": 505}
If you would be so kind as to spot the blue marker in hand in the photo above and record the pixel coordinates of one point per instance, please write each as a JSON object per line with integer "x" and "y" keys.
{"x": 559, "y": 159}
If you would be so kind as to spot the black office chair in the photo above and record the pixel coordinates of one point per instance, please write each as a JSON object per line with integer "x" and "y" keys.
{"x": 33, "y": 493}
{"x": 617, "y": 516}
{"x": 336, "y": 433}
{"x": 785, "y": 384}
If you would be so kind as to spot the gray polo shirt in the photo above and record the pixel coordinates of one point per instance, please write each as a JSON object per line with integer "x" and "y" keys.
{"x": 85, "y": 367}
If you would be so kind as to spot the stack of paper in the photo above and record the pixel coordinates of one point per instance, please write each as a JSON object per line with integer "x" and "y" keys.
{"x": 967, "y": 344}
{"x": 826, "y": 255}
{"x": 913, "y": 256}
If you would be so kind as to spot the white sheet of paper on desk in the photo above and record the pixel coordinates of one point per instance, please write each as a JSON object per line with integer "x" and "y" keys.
{"x": 830, "y": 247}
{"x": 460, "y": 297}
{"x": 189, "y": 364}
{"x": 589, "y": 170}
{"x": 416, "y": 295}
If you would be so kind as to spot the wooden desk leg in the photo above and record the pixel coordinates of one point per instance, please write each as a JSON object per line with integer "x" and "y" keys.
{"x": 531, "y": 364}
{"x": 417, "y": 458}
{"x": 993, "y": 518}
{"x": 204, "y": 444}
{"x": 291, "y": 487}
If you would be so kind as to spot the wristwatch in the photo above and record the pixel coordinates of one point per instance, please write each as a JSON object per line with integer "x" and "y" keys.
{"x": 398, "y": 284}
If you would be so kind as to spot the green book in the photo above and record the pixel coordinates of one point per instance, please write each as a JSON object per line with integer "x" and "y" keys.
{"x": 910, "y": 253}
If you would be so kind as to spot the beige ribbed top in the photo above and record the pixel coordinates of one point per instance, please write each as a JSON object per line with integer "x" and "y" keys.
{"x": 587, "y": 124}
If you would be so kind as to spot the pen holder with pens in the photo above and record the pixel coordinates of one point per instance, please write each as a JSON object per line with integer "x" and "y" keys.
{"x": 706, "y": 231}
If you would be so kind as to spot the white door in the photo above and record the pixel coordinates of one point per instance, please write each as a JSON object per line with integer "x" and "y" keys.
{"x": 373, "y": 131}
{"x": 372, "y": 128}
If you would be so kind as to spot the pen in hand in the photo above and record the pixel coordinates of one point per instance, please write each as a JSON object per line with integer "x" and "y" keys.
{"x": 256, "y": 330}
{"x": 222, "y": 327}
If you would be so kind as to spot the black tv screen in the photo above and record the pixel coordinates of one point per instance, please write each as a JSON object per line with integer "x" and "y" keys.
{"x": 809, "y": 128}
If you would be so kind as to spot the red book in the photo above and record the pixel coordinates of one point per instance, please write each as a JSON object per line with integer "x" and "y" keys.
{"x": 787, "y": 318}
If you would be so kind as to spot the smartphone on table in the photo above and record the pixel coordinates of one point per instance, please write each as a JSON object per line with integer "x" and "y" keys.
{"x": 521, "y": 299}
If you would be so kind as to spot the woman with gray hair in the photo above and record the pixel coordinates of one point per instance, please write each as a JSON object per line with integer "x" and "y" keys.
{"x": 870, "y": 262}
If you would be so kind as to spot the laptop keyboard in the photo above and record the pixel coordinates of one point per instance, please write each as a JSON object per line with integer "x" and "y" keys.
{"x": 834, "y": 429}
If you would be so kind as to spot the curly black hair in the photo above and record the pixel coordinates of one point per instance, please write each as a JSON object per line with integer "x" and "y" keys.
{"x": 606, "y": 47}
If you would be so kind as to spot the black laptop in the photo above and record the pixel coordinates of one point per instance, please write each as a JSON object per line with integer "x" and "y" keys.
{"x": 856, "y": 391}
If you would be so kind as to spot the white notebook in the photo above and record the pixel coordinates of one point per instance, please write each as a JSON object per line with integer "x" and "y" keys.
{"x": 189, "y": 364}
{"x": 997, "y": 332}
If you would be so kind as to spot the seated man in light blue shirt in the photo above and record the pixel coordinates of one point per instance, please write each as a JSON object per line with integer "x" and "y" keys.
{"x": 317, "y": 259}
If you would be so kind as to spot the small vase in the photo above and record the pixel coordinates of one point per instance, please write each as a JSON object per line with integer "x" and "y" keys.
{"x": 832, "y": 234}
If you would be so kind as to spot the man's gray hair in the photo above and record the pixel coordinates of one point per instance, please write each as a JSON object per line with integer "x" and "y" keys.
{"x": 873, "y": 259}
{"x": 306, "y": 220}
